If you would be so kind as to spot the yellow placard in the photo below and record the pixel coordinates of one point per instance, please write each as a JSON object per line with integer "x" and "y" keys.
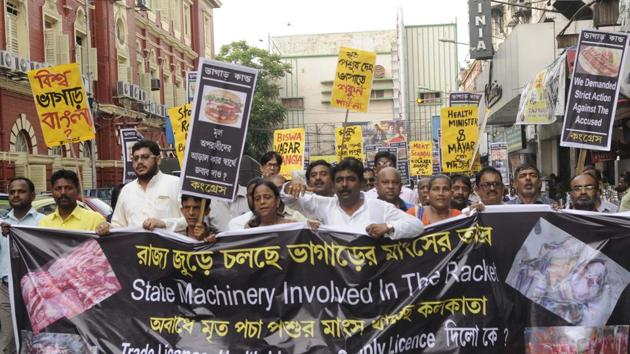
{"x": 460, "y": 130}
{"x": 349, "y": 143}
{"x": 421, "y": 158}
{"x": 61, "y": 104}
{"x": 180, "y": 121}
{"x": 353, "y": 79}
{"x": 289, "y": 143}
{"x": 328, "y": 158}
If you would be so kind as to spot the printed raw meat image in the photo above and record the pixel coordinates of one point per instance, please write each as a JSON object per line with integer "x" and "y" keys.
{"x": 69, "y": 286}
{"x": 566, "y": 276}
{"x": 578, "y": 340}
{"x": 223, "y": 106}
{"x": 599, "y": 61}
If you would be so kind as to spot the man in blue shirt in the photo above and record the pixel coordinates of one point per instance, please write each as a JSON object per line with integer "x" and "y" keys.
{"x": 21, "y": 195}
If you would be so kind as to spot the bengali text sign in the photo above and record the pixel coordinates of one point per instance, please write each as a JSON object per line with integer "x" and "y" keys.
{"x": 459, "y": 136}
{"x": 353, "y": 79}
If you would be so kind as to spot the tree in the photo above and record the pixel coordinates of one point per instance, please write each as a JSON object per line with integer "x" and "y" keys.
{"x": 267, "y": 111}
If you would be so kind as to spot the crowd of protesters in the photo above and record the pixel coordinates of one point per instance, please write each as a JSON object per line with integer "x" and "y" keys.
{"x": 347, "y": 196}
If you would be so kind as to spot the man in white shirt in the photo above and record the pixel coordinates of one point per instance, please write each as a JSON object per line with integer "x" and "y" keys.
{"x": 238, "y": 223}
{"x": 350, "y": 207}
{"x": 384, "y": 159}
{"x": 151, "y": 200}
{"x": 223, "y": 211}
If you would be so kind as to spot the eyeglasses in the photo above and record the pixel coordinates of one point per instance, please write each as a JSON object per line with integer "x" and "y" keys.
{"x": 141, "y": 157}
{"x": 578, "y": 189}
{"x": 490, "y": 185}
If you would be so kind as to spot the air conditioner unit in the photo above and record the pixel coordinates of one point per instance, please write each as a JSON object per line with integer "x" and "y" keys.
{"x": 123, "y": 89}
{"x": 155, "y": 84}
{"x": 142, "y": 5}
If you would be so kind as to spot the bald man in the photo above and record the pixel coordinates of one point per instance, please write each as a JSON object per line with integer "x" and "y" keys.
{"x": 388, "y": 185}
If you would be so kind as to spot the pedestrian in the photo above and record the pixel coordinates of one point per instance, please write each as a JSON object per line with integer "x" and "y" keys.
{"x": 319, "y": 178}
{"x": 196, "y": 227}
{"x": 267, "y": 206}
{"x": 384, "y": 159}
{"x": 527, "y": 184}
{"x": 152, "y": 199}
{"x": 21, "y": 195}
{"x": 270, "y": 164}
{"x": 461, "y": 187}
{"x": 370, "y": 179}
{"x": 68, "y": 214}
{"x": 585, "y": 193}
{"x": 349, "y": 208}
{"x": 439, "y": 208}
{"x": 423, "y": 191}
{"x": 388, "y": 186}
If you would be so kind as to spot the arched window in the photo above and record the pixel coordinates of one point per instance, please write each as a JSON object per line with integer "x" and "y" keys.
{"x": 23, "y": 142}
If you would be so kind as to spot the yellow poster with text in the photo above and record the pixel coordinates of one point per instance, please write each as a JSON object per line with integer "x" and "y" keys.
{"x": 289, "y": 143}
{"x": 61, "y": 104}
{"x": 328, "y": 158}
{"x": 180, "y": 120}
{"x": 460, "y": 130}
{"x": 421, "y": 158}
{"x": 353, "y": 79}
{"x": 349, "y": 143}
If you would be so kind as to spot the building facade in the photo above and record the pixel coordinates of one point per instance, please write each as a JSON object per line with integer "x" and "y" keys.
{"x": 411, "y": 63}
{"x": 133, "y": 56}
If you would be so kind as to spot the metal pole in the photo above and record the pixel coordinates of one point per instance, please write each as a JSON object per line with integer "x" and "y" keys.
{"x": 89, "y": 74}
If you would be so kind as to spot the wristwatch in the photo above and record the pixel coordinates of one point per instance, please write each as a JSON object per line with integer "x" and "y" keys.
{"x": 390, "y": 229}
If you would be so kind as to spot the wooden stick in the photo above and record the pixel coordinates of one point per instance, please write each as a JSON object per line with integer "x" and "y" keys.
{"x": 581, "y": 162}
{"x": 202, "y": 210}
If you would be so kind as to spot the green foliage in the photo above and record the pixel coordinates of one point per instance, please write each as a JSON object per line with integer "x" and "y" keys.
{"x": 267, "y": 112}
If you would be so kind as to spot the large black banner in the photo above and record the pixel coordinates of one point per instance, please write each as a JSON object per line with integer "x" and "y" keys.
{"x": 482, "y": 284}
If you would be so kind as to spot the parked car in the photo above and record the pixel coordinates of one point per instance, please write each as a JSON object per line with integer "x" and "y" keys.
{"x": 4, "y": 204}
{"x": 46, "y": 205}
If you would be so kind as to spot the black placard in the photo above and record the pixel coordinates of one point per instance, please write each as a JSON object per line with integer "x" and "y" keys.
{"x": 589, "y": 115}
{"x": 218, "y": 128}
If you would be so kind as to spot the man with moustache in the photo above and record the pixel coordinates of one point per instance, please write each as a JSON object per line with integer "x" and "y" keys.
{"x": 489, "y": 186}
{"x": 349, "y": 208}
{"x": 388, "y": 185}
{"x": 21, "y": 195}
{"x": 585, "y": 193}
{"x": 527, "y": 184}
{"x": 461, "y": 187}
{"x": 151, "y": 200}
{"x": 319, "y": 178}
{"x": 68, "y": 214}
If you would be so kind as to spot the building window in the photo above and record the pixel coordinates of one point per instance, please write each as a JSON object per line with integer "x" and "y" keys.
{"x": 56, "y": 151}
{"x": 207, "y": 35}
{"x": 187, "y": 23}
{"x": 86, "y": 152}
{"x": 11, "y": 16}
{"x": 23, "y": 142}
{"x": 293, "y": 103}
{"x": 377, "y": 94}
{"x": 123, "y": 69}
{"x": 50, "y": 36}
{"x": 431, "y": 97}
{"x": 121, "y": 33}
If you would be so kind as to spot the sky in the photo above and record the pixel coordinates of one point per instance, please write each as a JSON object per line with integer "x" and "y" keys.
{"x": 255, "y": 20}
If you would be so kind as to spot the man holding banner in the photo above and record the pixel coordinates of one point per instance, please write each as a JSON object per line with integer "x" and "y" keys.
{"x": 349, "y": 208}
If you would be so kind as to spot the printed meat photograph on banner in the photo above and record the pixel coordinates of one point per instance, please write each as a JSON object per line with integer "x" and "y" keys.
{"x": 586, "y": 340}
{"x": 68, "y": 286}
{"x": 223, "y": 107}
{"x": 600, "y": 61}
{"x": 566, "y": 276}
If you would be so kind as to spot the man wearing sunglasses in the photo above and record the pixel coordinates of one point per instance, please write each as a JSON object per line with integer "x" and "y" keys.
{"x": 489, "y": 186}
{"x": 152, "y": 199}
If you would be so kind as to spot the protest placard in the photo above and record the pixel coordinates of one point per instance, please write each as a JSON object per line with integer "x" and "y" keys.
{"x": 459, "y": 127}
{"x": 594, "y": 90}
{"x": 191, "y": 85}
{"x": 290, "y": 143}
{"x": 128, "y": 137}
{"x": 402, "y": 159}
{"x": 421, "y": 161}
{"x": 349, "y": 143}
{"x": 543, "y": 98}
{"x": 61, "y": 104}
{"x": 353, "y": 79}
{"x": 498, "y": 157}
{"x": 217, "y": 130}
{"x": 464, "y": 99}
{"x": 180, "y": 121}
